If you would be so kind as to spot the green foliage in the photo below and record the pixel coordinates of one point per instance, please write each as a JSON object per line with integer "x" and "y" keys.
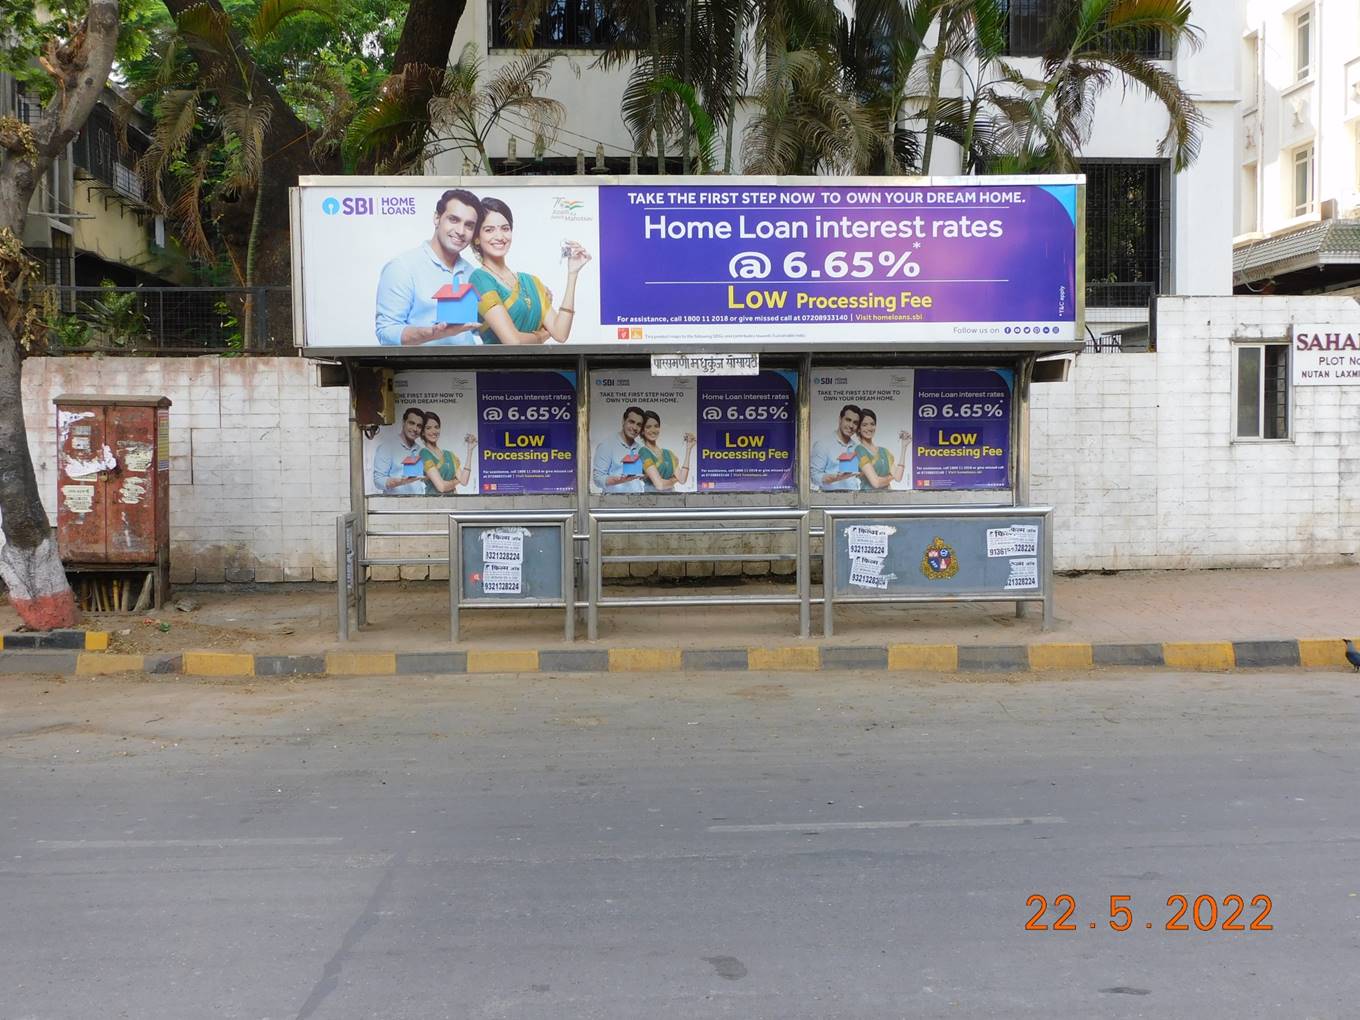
{"x": 209, "y": 143}
{"x": 230, "y": 323}
{"x": 701, "y": 124}
{"x": 27, "y": 28}
{"x": 67, "y": 331}
{"x": 116, "y": 317}
{"x": 423, "y": 112}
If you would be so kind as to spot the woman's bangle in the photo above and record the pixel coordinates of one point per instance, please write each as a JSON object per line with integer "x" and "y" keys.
{"x": 569, "y": 311}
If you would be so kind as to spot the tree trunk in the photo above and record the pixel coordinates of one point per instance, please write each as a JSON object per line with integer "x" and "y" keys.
{"x": 655, "y": 37}
{"x": 29, "y": 562}
{"x": 422, "y": 54}
{"x": 732, "y": 103}
{"x": 248, "y": 337}
{"x": 685, "y": 77}
{"x": 933, "y": 98}
{"x": 427, "y": 33}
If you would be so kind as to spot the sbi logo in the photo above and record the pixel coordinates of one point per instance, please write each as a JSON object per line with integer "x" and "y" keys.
{"x": 349, "y": 206}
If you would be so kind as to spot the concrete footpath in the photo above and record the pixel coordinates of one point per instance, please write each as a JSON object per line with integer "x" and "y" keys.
{"x": 1216, "y": 620}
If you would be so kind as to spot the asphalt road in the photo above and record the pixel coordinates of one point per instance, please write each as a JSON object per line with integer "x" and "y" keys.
{"x": 707, "y": 846}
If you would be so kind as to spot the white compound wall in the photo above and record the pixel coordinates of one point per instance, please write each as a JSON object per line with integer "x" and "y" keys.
{"x": 1135, "y": 451}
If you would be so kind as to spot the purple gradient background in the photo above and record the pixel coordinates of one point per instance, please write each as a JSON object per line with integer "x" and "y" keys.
{"x": 504, "y": 390}
{"x": 768, "y": 389}
{"x": 941, "y": 387}
{"x": 1036, "y": 258}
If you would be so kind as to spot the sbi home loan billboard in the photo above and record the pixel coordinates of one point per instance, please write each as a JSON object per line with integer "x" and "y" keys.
{"x": 671, "y": 262}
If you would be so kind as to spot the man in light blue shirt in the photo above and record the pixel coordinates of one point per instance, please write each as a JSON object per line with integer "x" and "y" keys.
{"x": 832, "y": 470}
{"x": 397, "y": 470}
{"x": 406, "y": 308}
{"x": 617, "y": 464}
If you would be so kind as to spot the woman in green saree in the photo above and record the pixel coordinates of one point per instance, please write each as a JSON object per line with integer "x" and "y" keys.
{"x": 876, "y": 467}
{"x": 443, "y": 473}
{"x": 659, "y": 470}
{"x": 515, "y": 308}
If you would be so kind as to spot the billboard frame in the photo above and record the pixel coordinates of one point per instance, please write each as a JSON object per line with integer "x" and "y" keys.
{"x": 663, "y": 346}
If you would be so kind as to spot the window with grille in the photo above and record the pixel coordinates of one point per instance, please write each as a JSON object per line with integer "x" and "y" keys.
{"x": 98, "y": 152}
{"x": 1028, "y": 23}
{"x": 1262, "y": 391}
{"x": 570, "y": 24}
{"x": 1128, "y": 226}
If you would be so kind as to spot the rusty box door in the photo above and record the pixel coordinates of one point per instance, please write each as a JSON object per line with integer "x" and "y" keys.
{"x": 113, "y": 460}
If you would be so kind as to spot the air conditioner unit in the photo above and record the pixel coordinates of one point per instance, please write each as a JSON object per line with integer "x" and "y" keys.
{"x": 1327, "y": 209}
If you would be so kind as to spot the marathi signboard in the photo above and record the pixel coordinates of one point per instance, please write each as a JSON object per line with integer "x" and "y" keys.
{"x": 657, "y": 435}
{"x": 899, "y": 429}
{"x": 476, "y": 433}
{"x": 1326, "y": 356}
{"x": 675, "y": 263}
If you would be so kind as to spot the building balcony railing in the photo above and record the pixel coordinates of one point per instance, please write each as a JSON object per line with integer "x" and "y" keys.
{"x": 1121, "y": 317}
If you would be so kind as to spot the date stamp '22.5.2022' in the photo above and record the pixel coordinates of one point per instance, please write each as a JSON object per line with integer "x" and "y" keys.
{"x": 1204, "y": 912}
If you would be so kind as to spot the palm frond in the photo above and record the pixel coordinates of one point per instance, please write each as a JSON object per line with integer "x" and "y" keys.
{"x": 392, "y": 126}
{"x": 207, "y": 27}
{"x": 187, "y": 208}
{"x": 700, "y": 122}
{"x": 246, "y": 124}
{"x": 176, "y": 117}
{"x": 272, "y": 13}
{"x": 1186, "y": 120}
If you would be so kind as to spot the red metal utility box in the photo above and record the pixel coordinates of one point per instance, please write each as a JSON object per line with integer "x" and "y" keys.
{"x": 113, "y": 496}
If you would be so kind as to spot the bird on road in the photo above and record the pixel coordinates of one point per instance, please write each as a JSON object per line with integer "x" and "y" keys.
{"x": 1352, "y": 656}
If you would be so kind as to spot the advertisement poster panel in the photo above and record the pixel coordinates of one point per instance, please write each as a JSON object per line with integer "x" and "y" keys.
{"x": 877, "y": 430}
{"x": 683, "y": 434}
{"x": 963, "y": 428}
{"x": 396, "y": 265}
{"x": 861, "y": 429}
{"x": 476, "y": 433}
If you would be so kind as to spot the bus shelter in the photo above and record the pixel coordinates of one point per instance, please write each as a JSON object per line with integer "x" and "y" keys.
{"x": 552, "y": 379}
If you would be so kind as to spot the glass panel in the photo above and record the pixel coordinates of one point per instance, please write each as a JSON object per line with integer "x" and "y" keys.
{"x": 1248, "y": 392}
{"x": 1303, "y": 31}
{"x": 1276, "y": 381}
{"x": 1303, "y": 181}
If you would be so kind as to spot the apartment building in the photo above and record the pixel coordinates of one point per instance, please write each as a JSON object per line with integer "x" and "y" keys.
{"x": 1149, "y": 231}
{"x": 88, "y": 220}
{"x": 1298, "y": 149}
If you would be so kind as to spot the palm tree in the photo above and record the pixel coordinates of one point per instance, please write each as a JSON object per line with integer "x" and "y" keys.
{"x": 970, "y": 34}
{"x": 672, "y": 94}
{"x": 1091, "y": 45}
{"x": 808, "y": 118}
{"x": 421, "y": 113}
{"x": 209, "y": 139}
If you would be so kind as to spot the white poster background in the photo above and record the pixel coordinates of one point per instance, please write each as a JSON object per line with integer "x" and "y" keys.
{"x": 887, "y": 393}
{"x": 343, "y": 252}
{"x": 673, "y": 398}
{"x": 452, "y": 396}
{"x": 1339, "y": 366}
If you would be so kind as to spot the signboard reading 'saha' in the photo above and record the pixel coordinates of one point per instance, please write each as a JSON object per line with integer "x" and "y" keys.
{"x": 675, "y": 262}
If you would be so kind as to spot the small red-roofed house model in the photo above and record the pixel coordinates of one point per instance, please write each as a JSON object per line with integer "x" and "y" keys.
{"x": 455, "y": 304}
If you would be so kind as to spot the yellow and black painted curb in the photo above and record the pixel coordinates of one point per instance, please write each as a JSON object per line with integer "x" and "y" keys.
{"x": 60, "y": 652}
